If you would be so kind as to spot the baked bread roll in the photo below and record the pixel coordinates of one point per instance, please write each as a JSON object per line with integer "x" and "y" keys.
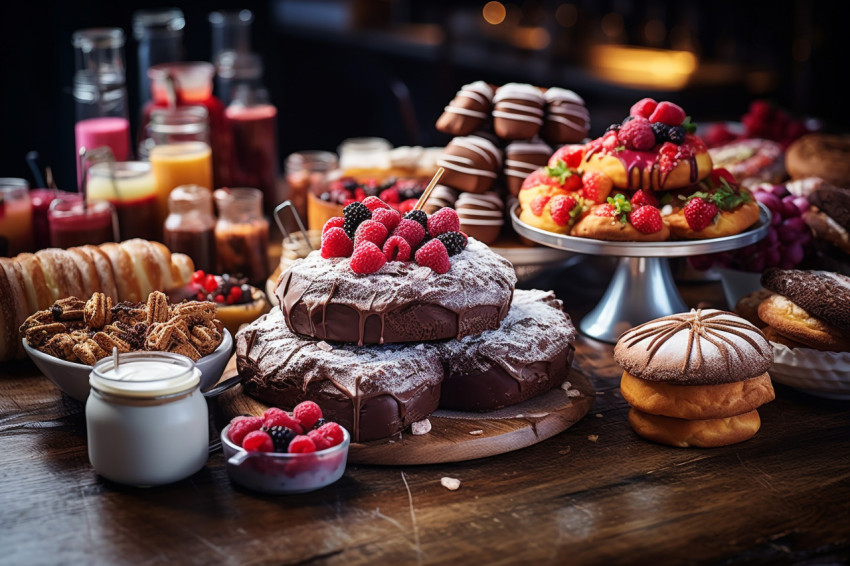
{"x": 820, "y": 155}
{"x": 707, "y": 433}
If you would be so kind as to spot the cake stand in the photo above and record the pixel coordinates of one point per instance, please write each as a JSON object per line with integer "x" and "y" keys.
{"x": 642, "y": 288}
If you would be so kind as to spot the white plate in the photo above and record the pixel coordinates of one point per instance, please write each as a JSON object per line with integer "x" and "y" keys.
{"x": 824, "y": 374}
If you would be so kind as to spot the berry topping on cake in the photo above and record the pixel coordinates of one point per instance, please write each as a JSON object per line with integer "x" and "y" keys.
{"x": 596, "y": 186}
{"x": 643, "y": 198}
{"x": 699, "y": 213}
{"x": 335, "y": 222}
{"x": 444, "y": 220}
{"x": 367, "y": 258}
{"x": 336, "y": 243}
{"x": 224, "y": 289}
{"x": 418, "y": 216}
{"x": 643, "y": 108}
{"x": 388, "y": 217}
{"x": 620, "y": 207}
{"x": 668, "y": 113}
{"x": 567, "y": 178}
{"x": 258, "y": 441}
{"x": 370, "y": 231}
{"x": 374, "y": 203}
{"x": 637, "y": 134}
{"x": 434, "y": 255}
{"x": 646, "y": 219}
{"x": 538, "y": 204}
{"x": 564, "y": 209}
{"x": 396, "y": 248}
{"x": 355, "y": 213}
{"x": 569, "y": 154}
{"x": 410, "y": 230}
{"x": 455, "y": 242}
{"x": 307, "y": 413}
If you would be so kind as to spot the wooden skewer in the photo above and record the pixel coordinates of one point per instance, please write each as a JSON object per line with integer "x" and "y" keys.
{"x": 434, "y": 180}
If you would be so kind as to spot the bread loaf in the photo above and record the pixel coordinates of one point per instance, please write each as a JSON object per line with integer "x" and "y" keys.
{"x": 127, "y": 271}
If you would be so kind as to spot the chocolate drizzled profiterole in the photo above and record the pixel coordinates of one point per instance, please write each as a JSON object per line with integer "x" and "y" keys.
{"x": 522, "y": 158}
{"x": 700, "y": 347}
{"x": 567, "y": 119}
{"x": 468, "y": 110}
{"x": 517, "y": 111}
{"x": 471, "y": 163}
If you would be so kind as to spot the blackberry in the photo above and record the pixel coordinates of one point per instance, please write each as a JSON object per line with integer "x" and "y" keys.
{"x": 319, "y": 422}
{"x": 661, "y": 132}
{"x": 281, "y": 437}
{"x": 612, "y": 128}
{"x": 349, "y": 184}
{"x": 676, "y": 135}
{"x": 420, "y": 217}
{"x": 455, "y": 242}
{"x": 354, "y": 213}
{"x": 408, "y": 193}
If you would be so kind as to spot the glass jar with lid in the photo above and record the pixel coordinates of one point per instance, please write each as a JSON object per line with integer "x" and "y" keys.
{"x": 242, "y": 234}
{"x": 190, "y": 225}
{"x": 146, "y": 419}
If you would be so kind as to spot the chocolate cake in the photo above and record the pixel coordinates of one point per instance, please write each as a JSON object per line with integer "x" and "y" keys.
{"x": 374, "y": 392}
{"x": 529, "y": 354}
{"x": 401, "y": 302}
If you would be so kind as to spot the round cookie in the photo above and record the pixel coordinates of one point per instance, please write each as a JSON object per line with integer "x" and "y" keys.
{"x": 567, "y": 119}
{"x": 793, "y": 321}
{"x": 748, "y": 307}
{"x": 709, "y": 433}
{"x": 401, "y": 302}
{"x": 696, "y": 401}
{"x": 701, "y": 347}
{"x": 471, "y": 164}
{"x": 820, "y": 155}
{"x": 517, "y": 111}
{"x": 601, "y": 225}
{"x": 775, "y": 336}
{"x": 468, "y": 110}
{"x": 530, "y": 353}
{"x": 823, "y": 294}
{"x": 374, "y": 392}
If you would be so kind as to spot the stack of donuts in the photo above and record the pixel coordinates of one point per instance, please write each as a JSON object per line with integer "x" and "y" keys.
{"x": 502, "y": 135}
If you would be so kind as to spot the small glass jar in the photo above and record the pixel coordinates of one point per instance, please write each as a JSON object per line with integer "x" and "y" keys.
{"x": 159, "y": 32}
{"x": 130, "y": 187}
{"x": 190, "y": 225}
{"x": 307, "y": 172}
{"x": 146, "y": 419}
{"x": 75, "y": 223}
{"x": 357, "y": 154}
{"x": 242, "y": 234}
{"x": 16, "y": 234}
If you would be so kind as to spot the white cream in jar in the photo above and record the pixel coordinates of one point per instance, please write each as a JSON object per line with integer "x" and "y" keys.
{"x": 147, "y": 422}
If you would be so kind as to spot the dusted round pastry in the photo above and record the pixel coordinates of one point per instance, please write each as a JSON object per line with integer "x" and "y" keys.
{"x": 704, "y": 433}
{"x": 373, "y": 392}
{"x": 704, "y": 346}
{"x": 824, "y": 294}
{"x": 820, "y": 155}
{"x": 468, "y": 110}
{"x": 481, "y": 216}
{"x": 530, "y": 353}
{"x": 517, "y": 111}
{"x": 401, "y": 302}
{"x": 522, "y": 159}
{"x": 471, "y": 164}
{"x": 567, "y": 119}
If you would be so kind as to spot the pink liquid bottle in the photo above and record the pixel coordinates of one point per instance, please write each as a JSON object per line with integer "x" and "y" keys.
{"x": 100, "y": 93}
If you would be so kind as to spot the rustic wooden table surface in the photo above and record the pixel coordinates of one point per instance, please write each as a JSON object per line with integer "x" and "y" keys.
{"x": 595, "y": 494}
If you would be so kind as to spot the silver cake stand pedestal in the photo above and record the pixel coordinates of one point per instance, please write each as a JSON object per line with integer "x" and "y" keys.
{"x": 642, "y": 288}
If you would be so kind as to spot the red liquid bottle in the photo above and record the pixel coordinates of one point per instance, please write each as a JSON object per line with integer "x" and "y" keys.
{"x": 253, "y": 130}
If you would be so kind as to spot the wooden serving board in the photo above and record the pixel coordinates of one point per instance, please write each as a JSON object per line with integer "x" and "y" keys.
{"x": 456, "y": 436}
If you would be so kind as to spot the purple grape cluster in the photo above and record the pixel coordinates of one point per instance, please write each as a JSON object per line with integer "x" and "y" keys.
{"x": 786, "y": 242}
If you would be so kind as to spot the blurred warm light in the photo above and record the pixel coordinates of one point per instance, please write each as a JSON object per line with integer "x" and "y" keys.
{"x": 612, "y": 24}
{"x": 642, "y": 67}
{"x": 567, "y": 15}
{"x": 531, "y": 38}
{"x": 654, "y": 31}
{"x": 494, "y": 13}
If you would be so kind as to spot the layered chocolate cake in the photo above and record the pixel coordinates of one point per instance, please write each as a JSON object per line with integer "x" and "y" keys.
{"x": 529, "y": 354}
{"x": 401, "y": 302}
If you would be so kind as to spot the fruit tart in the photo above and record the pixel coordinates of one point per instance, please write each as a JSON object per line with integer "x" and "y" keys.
{"x": 236, "y": 301}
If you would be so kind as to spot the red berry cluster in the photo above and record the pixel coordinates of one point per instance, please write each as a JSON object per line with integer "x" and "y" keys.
{"x": 761, "y": 121}
{"x": 301, "y": 431}
{"x": 222, "y": 289}
{"x": 400, "y": 194}
{"x": 372, "y": 233}
{"x": 648, "y": 124}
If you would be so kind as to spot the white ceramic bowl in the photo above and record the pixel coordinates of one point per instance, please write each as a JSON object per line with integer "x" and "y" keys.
{"x": 824, "y": 374}
{"x": 73, "y": 378}
{"x": 281, "y": 472}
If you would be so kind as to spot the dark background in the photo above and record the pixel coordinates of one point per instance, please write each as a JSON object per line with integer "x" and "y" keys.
{"x": 389, "y": 69}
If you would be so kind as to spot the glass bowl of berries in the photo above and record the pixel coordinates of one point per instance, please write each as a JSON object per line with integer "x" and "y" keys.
{"x": 285, "y": 452}
{"x": 236, "y": 301}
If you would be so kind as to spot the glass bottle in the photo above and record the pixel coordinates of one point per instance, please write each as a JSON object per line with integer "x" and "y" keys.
{"x": 307, "y": 173}
{"x": 131, "y": 189}
{"x": 159, "y": 32}
{"x": 16, "y": 233}
{"x": 73, "y": 222}
{"x": 242, "y": 234}
{"x": 190, "y": 225}
{"x": 234, "y": 62}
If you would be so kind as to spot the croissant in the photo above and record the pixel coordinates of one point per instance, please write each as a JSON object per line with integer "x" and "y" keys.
{"x": 128, "y": 271}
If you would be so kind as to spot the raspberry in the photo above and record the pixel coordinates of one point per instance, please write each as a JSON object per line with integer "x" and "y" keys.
{"x": 307, "y": 413}
{"x": 219, "y": 298}
{"x": 279, "y": 417}
{"x": 444, "y": 220}
{"x": 388, "y": 217}
{"x": 320, "y": 441}
{"x": 258, "y": 441}
{"x": 610, "y": 141}
{"x": 561, "y": 207}
{"x": 411, "y": 231}
{"x": 571, "y": 154}
{"x": 699, "y": 213}
{"x": 596, "y": 186}
{"x": 355, "y": 213}
{"x": 374, "y": 203}
{"x": 234, "y": 295}
{"x": 668, "y": 157}
{"x": 335, "y": 222}
{"x": 210, "y": 283}
{"x": 370, "y": 231}
{"x": 240, "y": 426}
{"x": 406, "y": 206}
{"x": 538, "y": 203}
{"x": 302, "y": 444}
{"x": 396, "y": 248}
{"x": 333, "y": 432}
{"x": 367, "y": 258}
{"x": 668, "y": 113}
{"x": 420, "y": 217}
{"x": 643, "y": 198}
{"x": 434, "y": 255}
{"x": 646, "y": 219}
{"x": 281, "y": 437}
{"x": 336, "y": 243}
{"x": 455, "y": 242}
{"x": 637, "y": 134}
{"x": 390, "y": 196}
{"x": 643, "y": 108}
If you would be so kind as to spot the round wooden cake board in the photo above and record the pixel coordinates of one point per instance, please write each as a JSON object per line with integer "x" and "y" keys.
{"x": 457, "y": 436}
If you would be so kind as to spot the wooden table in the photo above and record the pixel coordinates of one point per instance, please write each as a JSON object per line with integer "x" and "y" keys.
{"x": 595, "y": 494}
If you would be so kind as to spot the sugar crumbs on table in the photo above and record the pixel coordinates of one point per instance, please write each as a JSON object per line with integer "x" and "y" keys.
{"x": 565, "y": 451}
{"x": 420, "y": 427}
{"x": 598, "y": 415}
{"x": 324, "y": 346}
{"x": 593, "y": 437}
{"x": 450, "y": 483}
{"x": 476, "y": 432}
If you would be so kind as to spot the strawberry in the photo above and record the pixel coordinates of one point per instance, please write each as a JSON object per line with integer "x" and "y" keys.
{"x": 374, "y": 203}
{"x": 604, "y": 209}
{"x": 370, "y": 231}
{"x": 564, "y": 209}
{"x": 637, "y": 134}
{"x": 538, "y": 203}
{"x": 668, "y": 113}
{"x": 610, "y": 141}
{"x": 434, "y": 255}
{"x": 596, "y": 186}
{"x": 720, "y": 174}
{"x": 537, "y": 178}
{"x": 396, "y": 248}
{"x": 444, "y": 220}
{"x": 643, "y": 108}
{"x": 668, "y": 157}
{"x": 699, "y": 213}
{"x": 646, "y": 219}
{"x": 410, "y": 230}
{"x": 367, "y": 258}
{"x": 571, "y": 154}
{"x": 336, "y": 243}
{"x": 643, "y": 198}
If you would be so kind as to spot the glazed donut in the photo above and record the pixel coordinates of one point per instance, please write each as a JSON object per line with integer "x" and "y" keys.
{"x": 705, "y": 433}
{"x": 600, "y": 225}
{"x": 820, "y": 155}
